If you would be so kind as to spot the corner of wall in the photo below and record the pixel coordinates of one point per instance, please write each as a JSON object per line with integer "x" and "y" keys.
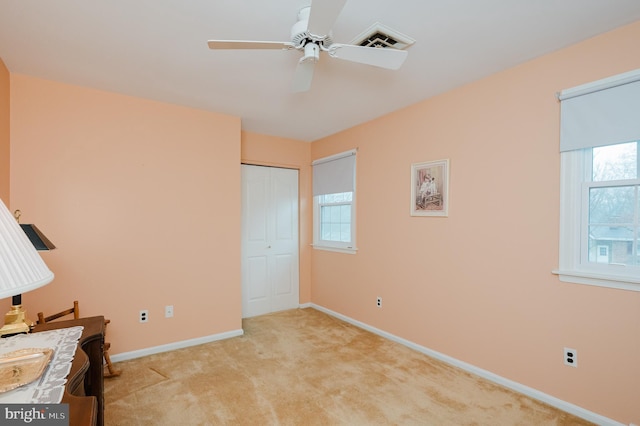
{"x": 4, "y": 133}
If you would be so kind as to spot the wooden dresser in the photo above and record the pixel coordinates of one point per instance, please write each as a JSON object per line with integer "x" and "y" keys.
{"x": 84, "y": 391}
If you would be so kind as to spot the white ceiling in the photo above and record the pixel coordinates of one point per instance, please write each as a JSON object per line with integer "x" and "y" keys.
{"x": 157, "y": 49}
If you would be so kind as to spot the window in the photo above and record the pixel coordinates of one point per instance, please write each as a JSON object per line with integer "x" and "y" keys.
{"x": 600, "y": 183}
{"x": 334, "y": 203}
{"x": 335, "y": 217}
{"x": 611, "y": 200}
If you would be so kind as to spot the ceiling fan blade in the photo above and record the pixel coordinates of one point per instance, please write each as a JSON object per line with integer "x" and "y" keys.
{"x": 378, "y": 57}
{"x": 303, "y": 75}
{"x": 323, "y": 15}
{"x": 247, "y": 44}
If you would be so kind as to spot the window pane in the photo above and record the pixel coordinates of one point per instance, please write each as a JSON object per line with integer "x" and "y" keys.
{"x": 345, "y": 232}
{"x": 335, "y": 224}
{"x": 613, "y": 223}
{"x": 336, "y": 198}
{"x": 325, "y": 232}
{"x": 325, "y": 214}
{"x": 612, "y": 205}
{"x": 636, "y": 254}
{"x": 345, "y": 214}
{"x": 335, "y": 214}
{"x": 335, "y": 232}
{"x": 615, "y": 162}
{"x": 609, "y": 244}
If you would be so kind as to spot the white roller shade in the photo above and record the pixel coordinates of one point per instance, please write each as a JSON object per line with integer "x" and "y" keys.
{"x": 601, "y": 113}
{"x": 334, "y": 174}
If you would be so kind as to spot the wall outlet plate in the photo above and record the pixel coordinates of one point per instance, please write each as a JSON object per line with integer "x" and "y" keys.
{"x": 570, "y": 357}
{"x": 144, "y": 315}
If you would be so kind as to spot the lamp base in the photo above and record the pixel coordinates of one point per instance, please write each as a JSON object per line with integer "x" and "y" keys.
{"x": 15, "y": 322}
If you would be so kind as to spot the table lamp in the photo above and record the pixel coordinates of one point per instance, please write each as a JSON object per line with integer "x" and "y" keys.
{"x": 21, "y": 270}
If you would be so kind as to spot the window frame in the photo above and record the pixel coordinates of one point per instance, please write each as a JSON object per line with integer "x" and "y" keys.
{"x": 334, "y": 175}
{"x": 574, "y": 267}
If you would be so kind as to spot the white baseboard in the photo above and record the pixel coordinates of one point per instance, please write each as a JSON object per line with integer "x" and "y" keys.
{"x": 533, "y": 393}
{"x": 176, "y": 345}
{"x": 305, "y": 305}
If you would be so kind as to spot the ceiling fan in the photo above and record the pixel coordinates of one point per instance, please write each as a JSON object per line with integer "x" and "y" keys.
{"x": 311, "y": 34}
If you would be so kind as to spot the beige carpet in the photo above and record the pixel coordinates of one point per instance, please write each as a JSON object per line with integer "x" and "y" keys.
{"x": 303, "y": 367}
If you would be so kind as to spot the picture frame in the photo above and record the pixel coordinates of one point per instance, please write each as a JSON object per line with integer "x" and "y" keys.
{"x": 430, "y": 188}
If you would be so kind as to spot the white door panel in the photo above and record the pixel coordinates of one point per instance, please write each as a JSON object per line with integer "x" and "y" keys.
{"x": 270, "y": 277}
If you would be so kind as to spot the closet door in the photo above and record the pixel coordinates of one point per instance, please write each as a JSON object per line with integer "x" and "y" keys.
{"x": 270, "y": 277}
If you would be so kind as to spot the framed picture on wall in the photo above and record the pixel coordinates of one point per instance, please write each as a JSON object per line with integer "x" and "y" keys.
{"x": 430, "y": 188}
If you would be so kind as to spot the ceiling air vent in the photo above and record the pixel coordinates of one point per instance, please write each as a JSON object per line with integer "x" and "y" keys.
{"x": 381, "y": 36}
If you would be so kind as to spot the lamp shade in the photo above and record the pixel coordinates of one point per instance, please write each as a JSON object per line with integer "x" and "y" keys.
{"x": 21, "y": 267}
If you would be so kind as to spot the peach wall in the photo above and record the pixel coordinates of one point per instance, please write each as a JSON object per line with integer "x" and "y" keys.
{"x": 477, "y": 285}
{"x": 4, "y": 133}
{"x": 280, "y": 152}
{"x": 142, "y": 200}
{"x": 5, "y": 304}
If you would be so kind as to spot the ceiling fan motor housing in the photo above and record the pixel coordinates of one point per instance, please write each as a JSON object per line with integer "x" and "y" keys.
{"x": 300, "y": 37}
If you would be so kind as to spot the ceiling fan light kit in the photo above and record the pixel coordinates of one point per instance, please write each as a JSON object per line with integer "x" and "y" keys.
{"x": 311, "y": 34}
{"x": 311, "y": 52}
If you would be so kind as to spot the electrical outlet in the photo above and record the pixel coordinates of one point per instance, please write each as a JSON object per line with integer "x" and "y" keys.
{"x": 379, "y": 302}
{"x": 570, "y": 357}
{"x": 168, "y": 311}
{"x": 144, "y": 315}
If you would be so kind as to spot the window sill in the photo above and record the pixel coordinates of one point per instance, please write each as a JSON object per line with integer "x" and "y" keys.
{"x": 609, "y": 281}
{"x": 335, "y": 249}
